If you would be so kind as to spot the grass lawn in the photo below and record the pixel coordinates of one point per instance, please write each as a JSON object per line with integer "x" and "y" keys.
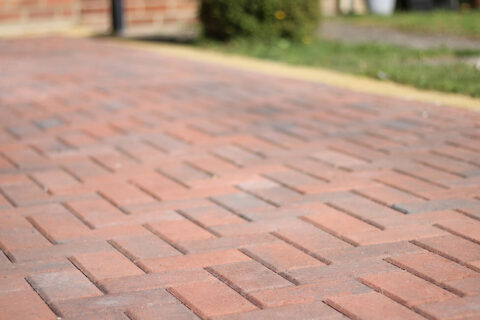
{"x": 436, "y": 69}
{"x": 463, "y": 23}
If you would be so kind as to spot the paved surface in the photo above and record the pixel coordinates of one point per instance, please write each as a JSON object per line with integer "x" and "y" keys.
{"x": 351, "y": 33}
{"x": 140, "y": 186}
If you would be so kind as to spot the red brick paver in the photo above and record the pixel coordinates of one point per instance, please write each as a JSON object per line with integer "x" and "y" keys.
{"x": 141, "y": 186}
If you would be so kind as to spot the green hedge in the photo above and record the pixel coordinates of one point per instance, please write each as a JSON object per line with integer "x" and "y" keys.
{"x": 265, "y": 19}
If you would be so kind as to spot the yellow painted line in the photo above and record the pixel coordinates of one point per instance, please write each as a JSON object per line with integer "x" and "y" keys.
{"x": 332, "y": 78}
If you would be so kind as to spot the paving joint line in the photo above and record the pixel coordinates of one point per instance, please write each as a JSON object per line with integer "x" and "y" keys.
{"x": 197, "y": 223}
{"x": 389, "y": 295}
{"x": 172, "y": 178}
{"x": 240, "y": 215}
{"x": 425, "y": 277}
{"x": 50, "y": 305}
{"x": 171, "y": 243}
{"x": 303, "y": 249}
{"x": 269, "y": 266}
{"x": 356, "y": 216}
{"x": 231, "y": 285}
{"x": 78, "y": 215}
{"x": 97, "y": 285}
{"x": 402, "y": 189}
{"x": 106, "y": 198}
{"x": 41, "y": 230}
{"x": 276, "y": 205}
{"x": 446, "y": 256}
{"x": 439, "y": 226}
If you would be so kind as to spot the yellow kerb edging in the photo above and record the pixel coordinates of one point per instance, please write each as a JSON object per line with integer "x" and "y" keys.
{"x": 333, "y": 78}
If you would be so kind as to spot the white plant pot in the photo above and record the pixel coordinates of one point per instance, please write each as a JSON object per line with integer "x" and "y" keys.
{"x": 382, "y": 7}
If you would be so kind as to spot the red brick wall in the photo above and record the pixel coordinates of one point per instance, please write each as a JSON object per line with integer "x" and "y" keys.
{"x": 161, "y": 15}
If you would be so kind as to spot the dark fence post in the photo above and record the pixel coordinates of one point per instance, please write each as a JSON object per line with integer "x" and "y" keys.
{"x": 117, "y": 17}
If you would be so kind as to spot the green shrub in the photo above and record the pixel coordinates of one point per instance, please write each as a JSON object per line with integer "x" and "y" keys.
{"x": 264, "y": 19}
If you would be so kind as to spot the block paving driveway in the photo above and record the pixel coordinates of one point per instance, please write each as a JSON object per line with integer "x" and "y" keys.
{"x": 135, "y": 185}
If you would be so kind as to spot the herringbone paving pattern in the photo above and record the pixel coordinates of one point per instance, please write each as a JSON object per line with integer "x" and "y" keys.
{"x": 140, "y": 186}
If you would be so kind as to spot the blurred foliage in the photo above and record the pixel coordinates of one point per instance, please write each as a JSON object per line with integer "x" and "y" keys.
{"x": 437, "y": 69}
{"x": 261, "y": 19}
{"x": 461, "y": 22}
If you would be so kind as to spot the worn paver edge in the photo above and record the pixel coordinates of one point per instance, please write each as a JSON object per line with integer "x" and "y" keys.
{"x": 319, "y": 75}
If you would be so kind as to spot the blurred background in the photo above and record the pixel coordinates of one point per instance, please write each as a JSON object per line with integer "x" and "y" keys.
{"x": 429, "y": 44}
{"x": 173, "y": 16}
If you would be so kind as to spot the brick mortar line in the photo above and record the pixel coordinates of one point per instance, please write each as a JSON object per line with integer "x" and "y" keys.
{"x": 166, "y": 175}
{"x": 391, "y": 296}
{"x": 423, "y": 313}
{"x": 144, "y": 190}
{"x": 128, "y": 314}
{"x": 292, "y": 134}
{"x": 402, "y": 189}
{"x": 259, "y": 154}
{"x": 384, "y": 137}
{"x": 124, "y": 253}
{"x": 127, "y": 154}
{"x": 7, "y": 253}
{"x": 89, "y": 114}
{"x": 41, "y": 230}
{"x": 360, "y": 194}
{"x": 449, "y": 156}
{"x": 95, "y": 160}
{"x": 237, "y": 165}
{"x": 179, "y": 138}
{"x": 337, "y": 308}
{"x": 36, "y": 149}
{"x": 8, "y": 160}
{"x": 153, "y": 145}
{"x": 197, "y": 223}
{"x": 353, "y": 155}
{"x": 432, "y": 166}
{"x": 50, "y": 306}
{"x": 353, "y": 215}
{"x": 264, "y": 139}
{"x": 364, "y": 145}
{"x": 65, "y": 142}
{"x": 171, "y": 243}
{"x": 276, "y": 205}
{"x": 471, "y": 216}
{"x": 229, "y": 209}
{"x": 194, "y": 166}
{"x": 70, "y": 173}
{"x": 202, "y": 130}
{"x": 299, "y": 170}
{"x": 10, "y": 200}
{"x": 456, "y": 233}
{"x": 233, "y": 287}
{"x": 304, "y": 250}
{"x": 425, "y": 277}
{"x": 106, "y": 198}
{"x": 98, "y": 286}
{"x": 40, "y": 185}
{"x": 461, "y": 146}
{"x": 269, "y": 266}
{"x": 330, "y": 232}
{"x": 387, "y": 295}
{"x": 445, "y": 255}
{"x": 78, "y": 216}
{"x": 283, "y": 184}
{"x": 328, "y": 164}
{"x": 187, "y": 305}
